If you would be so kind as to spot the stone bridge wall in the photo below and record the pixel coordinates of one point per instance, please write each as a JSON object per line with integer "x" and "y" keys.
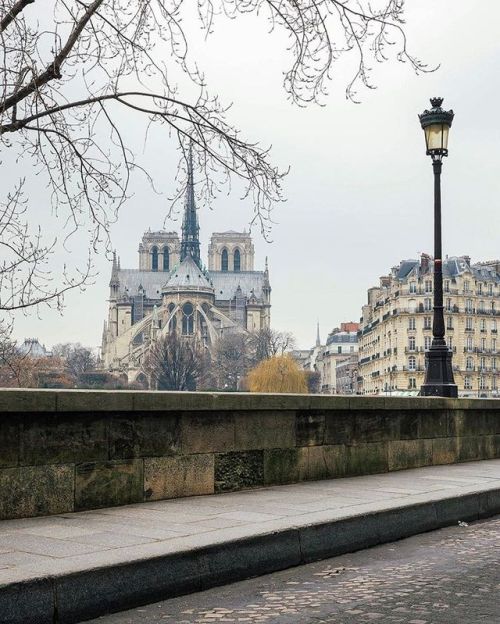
{"x": 63, "y": 450}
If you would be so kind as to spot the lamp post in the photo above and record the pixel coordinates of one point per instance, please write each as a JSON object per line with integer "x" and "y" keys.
{"x": 439, "y": 380}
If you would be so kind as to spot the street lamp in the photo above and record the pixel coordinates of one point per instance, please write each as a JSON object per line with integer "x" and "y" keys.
{"x": 439, "y": 380}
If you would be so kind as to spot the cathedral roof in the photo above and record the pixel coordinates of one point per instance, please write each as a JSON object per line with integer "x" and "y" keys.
{"x": 188, "y": 276}
{"x": 226, "y": 283}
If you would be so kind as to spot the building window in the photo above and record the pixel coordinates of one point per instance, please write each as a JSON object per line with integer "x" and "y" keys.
{"x": 468, "y": 323}
{"x": 411, "y": 323}
{"x": 154, "y": 259}
{"x": 448, "y": 304}
{"x": 339, "y": 349}
{"x": 428, "y": 286}
{"x": 468, "y": 306}
{"x": 447, "y": 286}
{"x": 413, "y": 287}
{"x": 224, "y": 261}
{"x": 481, "y": 307}
{"x": 482, "y": 363}
{"x": 166, "y": 259}
{"x": 492, "y": 306}
{"x": 480, "y": 289}
{"x": 427, "y": 304}
{"x": 449, "y": 342}
{"x": 483, "y": 344}
{"x": 412, "y": 383}
{"x": 411, "y": 343}
{"x": 469, "y": 364}
{"x": 412, "y": 363}
{"x": 467, "y": 383}
{"x": 466, "y": 286}
{"x": 490, "y": 289}
{"x": 482, "y": 325}
{"x": 493, "y": 325}
{"x": 427, "y": 322}
{"x": 237, "y": 261}
{"x": 449, "y": 322}
{"x": 427, "y": 342}
{"x": 494, "y": 345}
{"x": 187, "y": 319}
{"x": 482, "y": 383}
{"x": 468, "y": 343}
{"x": 493, "y": 364}
{"x": 494, "y": 383}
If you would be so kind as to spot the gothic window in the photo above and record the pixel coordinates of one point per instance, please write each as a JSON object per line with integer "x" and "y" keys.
{"x": 187, "y": 318}
{"x": 237, "y": 261}
{"x": 154, "y": 259}
{"x": 224, "y": 261}
{"x": 173, "y": 322}
{"x": 166, "y": 259}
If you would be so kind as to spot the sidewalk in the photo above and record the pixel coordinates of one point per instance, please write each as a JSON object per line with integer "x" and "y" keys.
{"x": 72, "y": 567}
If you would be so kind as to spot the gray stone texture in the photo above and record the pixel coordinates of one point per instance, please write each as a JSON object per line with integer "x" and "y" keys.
{"x": 114, "y": 447}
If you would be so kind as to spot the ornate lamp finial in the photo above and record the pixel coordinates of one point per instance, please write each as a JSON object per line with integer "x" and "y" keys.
{"x": 436, "y": 102}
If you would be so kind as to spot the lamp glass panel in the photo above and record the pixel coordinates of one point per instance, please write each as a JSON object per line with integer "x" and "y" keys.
{"x": 436, "y": 137}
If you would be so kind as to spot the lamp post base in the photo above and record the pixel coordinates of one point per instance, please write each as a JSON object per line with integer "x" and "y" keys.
{"x": 439, "y": 381}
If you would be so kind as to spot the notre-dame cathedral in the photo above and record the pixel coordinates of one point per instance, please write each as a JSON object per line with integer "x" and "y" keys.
{"x": 173, "y": 291}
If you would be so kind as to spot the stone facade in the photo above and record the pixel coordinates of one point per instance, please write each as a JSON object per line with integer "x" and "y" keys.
{"x": 64, "y": 450}
{"x": 396, "y": 327}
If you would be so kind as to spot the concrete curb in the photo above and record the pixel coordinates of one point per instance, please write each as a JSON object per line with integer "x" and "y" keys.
{"x": 73, "y": 598}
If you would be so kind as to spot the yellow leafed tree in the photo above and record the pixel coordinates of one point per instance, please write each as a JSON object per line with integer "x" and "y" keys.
{"x": 277, "y": 374}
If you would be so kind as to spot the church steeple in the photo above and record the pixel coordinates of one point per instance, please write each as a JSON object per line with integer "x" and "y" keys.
{"x": 190, "y": 244}
{"x": 318, "y": 339}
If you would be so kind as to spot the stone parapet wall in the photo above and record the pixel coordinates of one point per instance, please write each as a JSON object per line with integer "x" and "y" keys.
{"x": 64, "y": 450}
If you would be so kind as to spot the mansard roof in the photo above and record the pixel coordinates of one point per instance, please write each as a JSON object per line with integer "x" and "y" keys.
{"x": 452, "y": 267}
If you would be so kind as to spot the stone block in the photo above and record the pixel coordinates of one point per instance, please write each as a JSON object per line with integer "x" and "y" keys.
{"x": 239, "y": 470}
{"x": 339, "y": 427}
{"x": 174, "y": 477}
{"x": 264, "y": 430}
{"x": 492, "y": 422}
{"x": 444, "y": 451}
{"x": 27, "y": 400}
{"x": 203, "y": 432}
{"x": 326, "y": 462}
{"x": 371, "y": 426}
{"x": 107, "y": 484}
{"x": 281, "y": 466}
{"x": 9, "y": 439}
{"x": 27, "y": 491}
{"x": 451, "y": 510}
{"x": 406, "y": 425}
{"x": 94, "y": 401}
{"x": 29, "y": 602}
{"x": 63, "y": 438}
{"x": 310, "y": 427}
{"x": 434, "y": 423}
{"x": 470, "y": 448}
{"x": 491, "y": 448}
{"x": 367, "y": 458}
{"x": 143, "y": 434}
{"x": 405, "y": 454}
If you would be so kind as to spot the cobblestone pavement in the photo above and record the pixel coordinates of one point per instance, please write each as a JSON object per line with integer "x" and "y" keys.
{"x": 451, "y": 576}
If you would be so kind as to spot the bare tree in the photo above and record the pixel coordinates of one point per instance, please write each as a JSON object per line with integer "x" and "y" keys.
{"x": 175, "y": 363}
{"x": 68, "y": 68}
{"x": 268, "y": 342}
{"x": 77, "y": 358}
{"x": 232, "y": 359}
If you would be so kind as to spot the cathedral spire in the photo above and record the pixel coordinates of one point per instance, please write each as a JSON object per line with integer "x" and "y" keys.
{"x": 318, "y": 339}
{"x": 190, "y": 244}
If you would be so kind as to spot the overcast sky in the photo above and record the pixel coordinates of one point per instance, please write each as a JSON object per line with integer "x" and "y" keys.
{"x": 359, "y": 192}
